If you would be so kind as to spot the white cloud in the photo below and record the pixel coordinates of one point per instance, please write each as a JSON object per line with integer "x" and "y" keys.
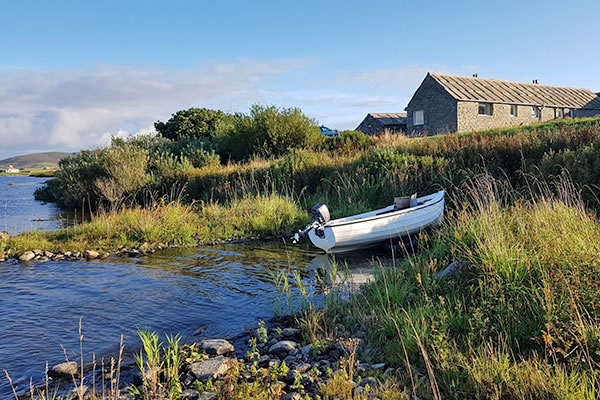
{"x": 72, "y": 109}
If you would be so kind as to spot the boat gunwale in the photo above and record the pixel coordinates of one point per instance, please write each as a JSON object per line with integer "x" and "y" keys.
{"x": 441, "y": 193}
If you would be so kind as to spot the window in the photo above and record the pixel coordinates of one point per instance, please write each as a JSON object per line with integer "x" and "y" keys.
{"x": 485, "y": 109}
{"x": 513, "y": 110}
{"x": 558, "y": 113}
{"x": 418, "y": 117}
{"x": 568, "y": 113}
{"x": 535, "y": 112}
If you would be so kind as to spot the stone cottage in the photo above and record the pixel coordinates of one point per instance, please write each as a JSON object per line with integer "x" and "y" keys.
{"x": 448, "y": 103}
{"x": 375, "y": 123}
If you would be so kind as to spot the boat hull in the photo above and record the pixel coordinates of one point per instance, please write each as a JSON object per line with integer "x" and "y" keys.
{"x": 378, "y": 226}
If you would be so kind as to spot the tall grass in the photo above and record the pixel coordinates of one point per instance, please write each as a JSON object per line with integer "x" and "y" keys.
{"x": 517, "y": 320}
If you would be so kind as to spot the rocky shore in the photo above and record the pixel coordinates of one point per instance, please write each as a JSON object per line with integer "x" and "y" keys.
{"x": 41, "y": 255}
{"x": 277, "y": 363}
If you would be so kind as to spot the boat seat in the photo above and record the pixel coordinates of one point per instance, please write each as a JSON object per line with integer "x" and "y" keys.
{"x": 401, "y": 203}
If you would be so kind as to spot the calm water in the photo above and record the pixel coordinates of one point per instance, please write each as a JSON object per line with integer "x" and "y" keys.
{"x": 20, "y": 212}
{"x": 227, "y": 288}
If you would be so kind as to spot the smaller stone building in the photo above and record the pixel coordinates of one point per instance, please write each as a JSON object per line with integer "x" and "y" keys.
{"x": 375, "y": 123}
{"x": 448, "y": 103}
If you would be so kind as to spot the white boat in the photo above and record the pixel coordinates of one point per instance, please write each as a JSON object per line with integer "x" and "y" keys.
{"x": 372, "y": 228}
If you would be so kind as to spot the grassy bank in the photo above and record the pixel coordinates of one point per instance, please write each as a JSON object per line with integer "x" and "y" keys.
{"x": 350, "y": 174}
{"x": 167, "y": 224}
{"x": 517, "y": 319}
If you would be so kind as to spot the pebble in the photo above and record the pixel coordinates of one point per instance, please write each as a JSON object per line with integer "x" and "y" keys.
{"x": 210, "y": 369}
{"x": 91, "y": 255}
{"x": 216, "y": 346}
{"x": 290, "y": 332}
{"x": 369, "y": 380}
{"x": 64, "y": 370}
{"x": 292, "y": 396}
{"x": 284, "y": 346}
{"x": 27, "y": 256}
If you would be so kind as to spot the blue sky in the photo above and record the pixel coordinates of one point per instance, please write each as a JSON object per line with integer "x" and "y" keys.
{"x": 74, "y": 73}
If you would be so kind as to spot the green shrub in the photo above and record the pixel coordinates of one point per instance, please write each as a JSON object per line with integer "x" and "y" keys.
{"x": 270, "y": 131}
{"x": 195, "y": 122}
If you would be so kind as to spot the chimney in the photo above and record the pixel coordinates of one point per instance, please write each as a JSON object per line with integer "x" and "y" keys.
{"x": 535, "y": 81}
{"x": 475, "y": 75}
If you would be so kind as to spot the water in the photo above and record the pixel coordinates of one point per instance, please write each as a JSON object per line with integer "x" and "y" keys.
{"x": 227, "y": 288}
{"x": 20, "y": 212}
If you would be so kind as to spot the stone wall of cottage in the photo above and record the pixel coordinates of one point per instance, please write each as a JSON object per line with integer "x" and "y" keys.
{"x": 370, "y": 126}
{"x": 470, "y": 120}
{"x": 439, "y": 109}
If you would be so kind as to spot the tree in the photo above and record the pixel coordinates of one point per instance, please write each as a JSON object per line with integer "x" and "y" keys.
{"x": 195, "y": 122}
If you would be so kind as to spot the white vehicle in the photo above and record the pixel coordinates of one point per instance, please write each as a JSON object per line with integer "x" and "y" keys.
{"x": 407, "y": 216}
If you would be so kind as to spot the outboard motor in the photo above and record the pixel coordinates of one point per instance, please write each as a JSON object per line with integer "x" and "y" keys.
{"x": 321, "y": 216}
{"x": 320, "y": 213}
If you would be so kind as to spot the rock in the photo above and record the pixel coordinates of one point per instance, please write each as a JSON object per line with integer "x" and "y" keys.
{"x": 290, "y": 360}
{"x": 292, "y": 396}
{"x": 104, "y": 256}
{"x": 76, "y": 254}
{"x": 38, "y": 252}
{"x": 144, "y": 247}
{"x": 66, "y": 369}
{"x": 27, "y": 256}
{"x": 4, "y": 236}
{"x": 91, "y": 255}
{"x": 67, "y": 254}
{"x": 207, "y": 396}
{"x": 335, "y": 354}
{"x": 449, "y": 270}
{"x": 378, "y": 367}
{"x": 216, "y": 346}
{"x": 305, "y": 350}
{"x": 302, "y": 368}
{"x": 282, "y": 347}
{"x": 48, "y": 254}
{"x": 210, "y": 369}
{"x": 290, "y": 332}
{"x": 133, "y": 253}
{"x": 369, "y": 380}
{"x": 190, "y": 394}
{"x": 264, "y": 361}
{"x": 2, "y": 255}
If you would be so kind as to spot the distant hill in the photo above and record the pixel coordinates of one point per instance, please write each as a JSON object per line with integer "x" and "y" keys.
{"x": 34, "y": 161}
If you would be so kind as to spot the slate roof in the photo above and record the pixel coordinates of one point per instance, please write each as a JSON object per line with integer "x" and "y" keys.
{"x": 390, "y": 118}
{"x": 498, "y": 91}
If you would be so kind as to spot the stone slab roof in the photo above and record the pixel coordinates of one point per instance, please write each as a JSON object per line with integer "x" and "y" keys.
{"x": 498, "y": 91}
{"x": 390, "y": 118}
